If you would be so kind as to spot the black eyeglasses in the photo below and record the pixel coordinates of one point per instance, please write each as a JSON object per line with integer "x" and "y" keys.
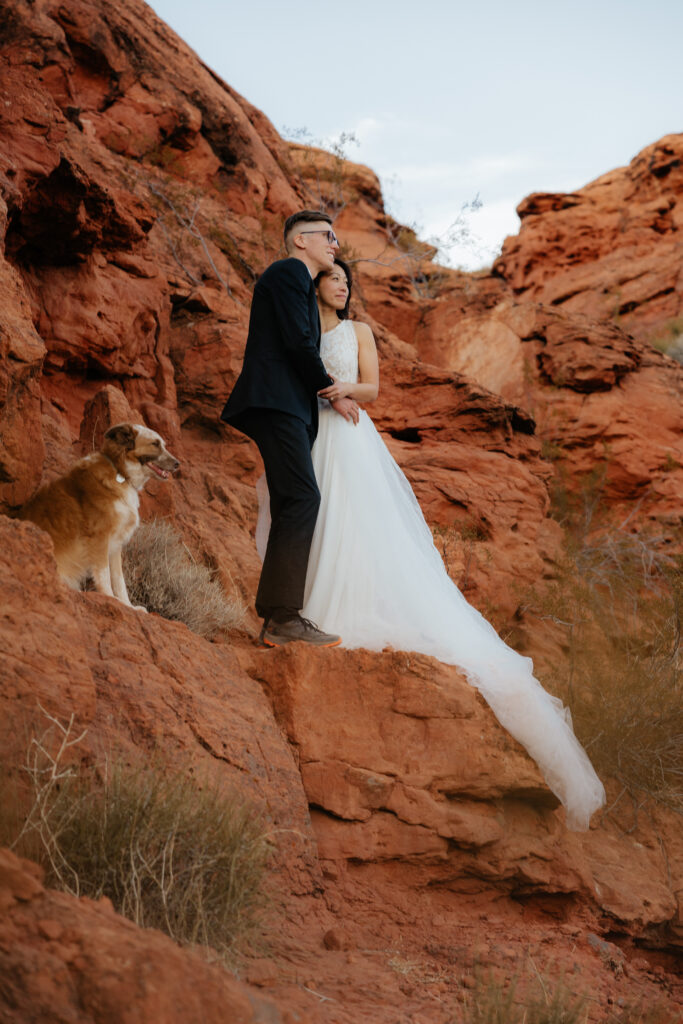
{"x": 331, "y": 237}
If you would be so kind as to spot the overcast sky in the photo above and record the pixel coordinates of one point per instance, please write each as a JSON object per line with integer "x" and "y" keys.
{"x": 450, "y": 100}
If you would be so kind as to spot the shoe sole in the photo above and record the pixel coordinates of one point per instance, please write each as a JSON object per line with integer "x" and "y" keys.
{"x": 267, "y": 642}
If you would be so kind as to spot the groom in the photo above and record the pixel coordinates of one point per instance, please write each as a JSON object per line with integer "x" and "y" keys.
{"x": 275, "y": 402}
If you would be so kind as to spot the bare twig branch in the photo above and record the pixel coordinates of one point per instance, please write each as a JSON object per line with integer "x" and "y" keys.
{"x": 188, "y": 223}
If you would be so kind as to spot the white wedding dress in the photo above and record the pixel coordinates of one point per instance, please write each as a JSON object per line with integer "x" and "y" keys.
{"x": 376, "y": 577}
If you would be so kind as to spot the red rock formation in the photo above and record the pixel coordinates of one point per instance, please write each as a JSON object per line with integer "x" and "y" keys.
{"x": 600, "y": 398}
{"x": 21, "y": 357}
{"x": 612, "y": 249}
{"x": 140, "y": 197}
{"x": 403, "y": 765}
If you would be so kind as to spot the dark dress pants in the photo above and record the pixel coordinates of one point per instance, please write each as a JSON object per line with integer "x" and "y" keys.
{"x": 285, "y": 444}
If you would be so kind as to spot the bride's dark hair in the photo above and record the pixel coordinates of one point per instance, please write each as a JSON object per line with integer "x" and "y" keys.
{"x": 343, "y": 314}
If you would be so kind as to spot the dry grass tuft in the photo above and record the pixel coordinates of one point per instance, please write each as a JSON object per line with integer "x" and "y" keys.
{"x": 669, "y": 338}
{"x": 495, "y": 1002}
{"x": 661, "y": 1012}
{"x": 169, "y": 853}
{"x": 535, "y": 999}
{"x": 617, "y": 605}
{"x": 162, "y": 576}
{"x": 622, "y": 681}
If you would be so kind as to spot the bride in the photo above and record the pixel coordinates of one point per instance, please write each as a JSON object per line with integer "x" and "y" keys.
{"x": 375, "y": 576}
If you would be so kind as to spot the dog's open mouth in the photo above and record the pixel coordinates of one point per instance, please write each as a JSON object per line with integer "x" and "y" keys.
{"x": 162, "y": 473}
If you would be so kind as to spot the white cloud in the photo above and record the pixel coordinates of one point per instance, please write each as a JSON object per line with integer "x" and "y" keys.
{"x": 479, "y": 169}
{"x": 367, "y": 128}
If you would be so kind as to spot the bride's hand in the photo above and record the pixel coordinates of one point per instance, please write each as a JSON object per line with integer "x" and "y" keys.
{"x": 347, "y": 408}
{"x": 335, "y": 391}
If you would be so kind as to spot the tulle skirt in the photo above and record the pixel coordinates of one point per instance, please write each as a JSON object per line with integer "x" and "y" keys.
{"x": 376, "y": 577}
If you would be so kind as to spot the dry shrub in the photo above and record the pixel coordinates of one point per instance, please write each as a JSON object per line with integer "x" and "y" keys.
{"x": 618, "y": 600}
{"x": 162, "y": 575}
{"x": 542, "y": 1002}
{"x": 169, "y": 853}
{"x": 535, "y": 999}
{"x": 660, "y": 1012}
{"x": 669, "y": 338}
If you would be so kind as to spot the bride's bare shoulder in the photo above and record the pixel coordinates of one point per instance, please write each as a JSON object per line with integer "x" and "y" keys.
{"x": 363, "y": 332}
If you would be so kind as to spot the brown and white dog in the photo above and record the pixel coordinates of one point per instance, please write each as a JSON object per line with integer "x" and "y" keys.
{"x": 93, "y": 510}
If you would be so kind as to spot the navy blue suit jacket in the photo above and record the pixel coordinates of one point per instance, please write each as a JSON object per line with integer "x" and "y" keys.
{"x": 282, "y": 368}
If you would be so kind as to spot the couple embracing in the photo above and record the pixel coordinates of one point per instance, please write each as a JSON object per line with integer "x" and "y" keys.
{"x": 275, "y": 402}
{"x": 345, "y": 547}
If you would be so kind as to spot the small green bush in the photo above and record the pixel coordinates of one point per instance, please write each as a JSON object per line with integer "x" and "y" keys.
{"x": 162, "y": 576}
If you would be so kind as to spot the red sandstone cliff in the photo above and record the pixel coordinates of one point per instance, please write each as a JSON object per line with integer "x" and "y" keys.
{"x": 139, "y": 199}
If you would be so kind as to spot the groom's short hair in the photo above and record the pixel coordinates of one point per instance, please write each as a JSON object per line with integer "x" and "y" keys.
{"x": 309, "y": 216}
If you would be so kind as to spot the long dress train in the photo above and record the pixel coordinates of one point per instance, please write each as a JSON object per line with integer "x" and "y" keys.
{"x": 376, "y": 577}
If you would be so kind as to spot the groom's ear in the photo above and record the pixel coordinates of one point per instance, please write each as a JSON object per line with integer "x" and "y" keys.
{"x": 296, "y": 240}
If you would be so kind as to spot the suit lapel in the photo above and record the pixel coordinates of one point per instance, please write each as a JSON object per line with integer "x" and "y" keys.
{"x": 315, "y": 314}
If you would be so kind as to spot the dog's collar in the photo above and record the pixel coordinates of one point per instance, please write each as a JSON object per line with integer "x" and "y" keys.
{"x": 120, "y": 479}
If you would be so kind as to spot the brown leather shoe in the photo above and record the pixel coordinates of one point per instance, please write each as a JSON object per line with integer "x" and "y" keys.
{"x": 275, "y": 634}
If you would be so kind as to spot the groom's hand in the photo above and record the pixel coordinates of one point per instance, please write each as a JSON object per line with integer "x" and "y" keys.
{"x": 348, "y": 408}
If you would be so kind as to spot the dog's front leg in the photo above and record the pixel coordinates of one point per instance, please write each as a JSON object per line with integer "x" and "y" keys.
{"x": 102, "y": 579}
{"x": 118, "y": 581}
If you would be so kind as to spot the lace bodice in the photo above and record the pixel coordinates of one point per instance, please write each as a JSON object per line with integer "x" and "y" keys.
{"x": 339, "y": 352}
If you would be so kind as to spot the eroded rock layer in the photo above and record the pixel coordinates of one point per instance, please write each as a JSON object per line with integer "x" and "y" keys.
{"x": 140, "y": 198}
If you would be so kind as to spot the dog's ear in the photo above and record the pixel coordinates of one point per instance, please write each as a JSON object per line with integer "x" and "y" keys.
{"x": 123, "y": 435}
